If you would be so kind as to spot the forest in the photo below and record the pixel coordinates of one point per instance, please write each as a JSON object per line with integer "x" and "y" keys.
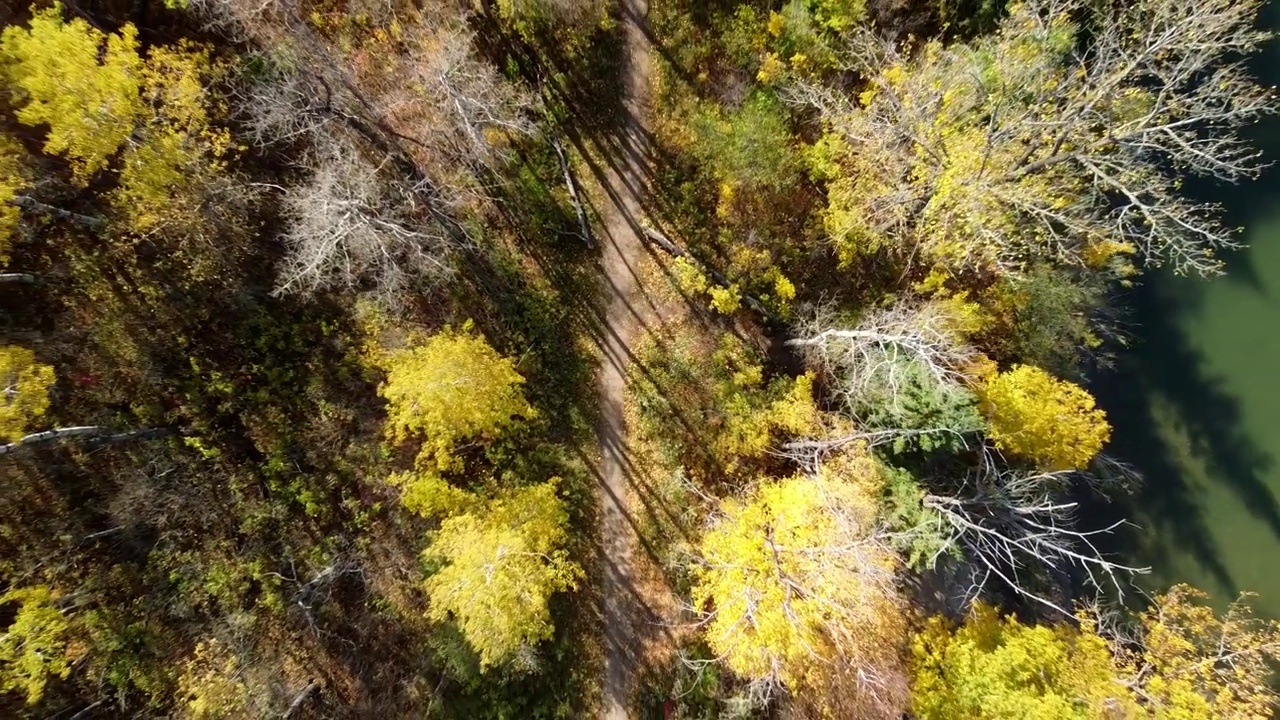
{"x": 330, "y": 330}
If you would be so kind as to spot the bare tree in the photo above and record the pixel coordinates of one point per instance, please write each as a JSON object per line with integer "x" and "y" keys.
{"x": 403, "y": 139}
{"x": 1012, "y": 524}
{"x": 1033, "y": 143}
{"x": 867, "y": 362}
{"x": 352, "y": 227}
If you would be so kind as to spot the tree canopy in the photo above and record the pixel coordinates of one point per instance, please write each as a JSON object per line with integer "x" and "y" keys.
{"x": 501, "y": 564}
{"x": 452, "y": 387}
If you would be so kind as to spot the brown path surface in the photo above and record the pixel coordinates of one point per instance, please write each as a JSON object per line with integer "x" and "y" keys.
{"x": 622, "y": 251}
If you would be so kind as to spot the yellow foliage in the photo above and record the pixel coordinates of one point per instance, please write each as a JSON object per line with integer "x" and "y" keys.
{"x": 689, "y": 277}
{"x": 98, "y": 95}
{"x": 725, "y": 300}
{"x": 771, "y": 68}
{"x": 749, "y": 430}
{"x": 26, "y": 391}
{"x": 1053, "y": 422}
{"x": 428, "y": 494}
{"x": 797, "y": 590}
{"x": 993, "y": 668}
{"x": 777, "y": 23}
{"x": 80, "y": 82}
{"x": 180, "y": 148}
{"x": 211, "y": 686}
{"x": 1190, "y": 664}
{"x": 13, "y": 180}
{"x": 452, "y": 387}
{"x": 34, "y": 647}
{"x": 501, "y": 564}
{"x": 1185, "y": 654}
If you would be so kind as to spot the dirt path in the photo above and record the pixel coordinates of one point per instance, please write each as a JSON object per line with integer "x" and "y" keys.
{"x": 621, "y": 253}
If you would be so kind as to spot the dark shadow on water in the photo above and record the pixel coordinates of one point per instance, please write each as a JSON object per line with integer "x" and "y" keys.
{"x": 1176, "y": 421}
{"x": 1160, "y": 383}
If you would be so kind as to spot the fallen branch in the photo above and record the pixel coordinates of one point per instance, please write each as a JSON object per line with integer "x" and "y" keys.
{"x": 99, "y": 435}
{"x": 30, "y": 204}
{"x": 573, "y": 193}
{"x": 301, "y": 699}
{"x": 716, "y": 276}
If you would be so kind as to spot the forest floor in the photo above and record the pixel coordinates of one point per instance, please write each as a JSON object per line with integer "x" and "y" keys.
{"x": 627, "y": 313}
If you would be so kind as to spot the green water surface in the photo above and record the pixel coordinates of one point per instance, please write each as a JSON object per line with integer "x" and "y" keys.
{"x": 1195, "y": 402}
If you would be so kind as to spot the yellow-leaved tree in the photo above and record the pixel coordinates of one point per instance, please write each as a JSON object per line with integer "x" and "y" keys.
{"x": 1037, "y": 416}
{"x": 799, "y": 592}
{"x": 212, "y": 685}
{"x": 100, "y": 97}
{"x": 80, "y": 82}
{"x": 994, "y": 668}
{"x": 13, "y": 179}
{"x": 1195, "y": 663}
{"x": 500, "y": 563}
{"x": 25, "y": 384}
{"x": 34, "y": 647}
{"x": 1185, "y": 662}
{"x": 1044, "y": 140}
{"x": 451, "y": 387}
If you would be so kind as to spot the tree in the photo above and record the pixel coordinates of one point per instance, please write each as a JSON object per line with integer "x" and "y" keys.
{"x": 739, "y": 416}
{"x": 26, "y": 391}
{"x": 1194, "y": 663}
{"x": 1053, "y": 422}
{"x": 211, "y": 686}
{"x": 80, "y": 82}
{"x": 452, "y": 387}
{"x": 34, "y": 648}
{"x": 799, "y": 591}
{"x": 1044, "y": 140}
{"x": 501, "y": 564}
{"x": 1013, "y": 524}
{"x": 12, "y": 182}
{"x": 352, "y": 226}
{"x": 1182, "y": 660}
{"x": 101, "y": 99}
{"x": 994, "y": 668}
{"x": 902, "y": 373}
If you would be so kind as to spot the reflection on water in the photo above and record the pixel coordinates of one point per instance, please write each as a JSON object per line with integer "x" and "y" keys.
{"x": 1196, "y": 407}
{"x": 1196, "y": 403}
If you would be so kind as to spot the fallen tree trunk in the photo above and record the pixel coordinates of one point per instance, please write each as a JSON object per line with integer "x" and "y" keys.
{"x": 716, "y": 276}
{"x": 573, "y": 194}
{"x": 30, "y": 204}
{"x": 301, "y": 699}
{"x": 98, "y": 434}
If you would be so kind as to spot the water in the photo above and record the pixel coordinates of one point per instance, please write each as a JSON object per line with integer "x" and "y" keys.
{"x": 1195, "y": 403}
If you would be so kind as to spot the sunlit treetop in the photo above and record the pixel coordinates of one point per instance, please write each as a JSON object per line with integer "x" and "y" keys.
{"x": 501, "y": 563}
{"x": 25, "y": 384}
{"x": 1037, "y": 416}
{"x": 34, "y": 647}
{"x": 451, "y": 387}
{"x": 81, "y": 83}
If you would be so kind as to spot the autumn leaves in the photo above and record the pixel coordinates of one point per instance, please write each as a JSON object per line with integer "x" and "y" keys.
{"x": 499, "y": 551}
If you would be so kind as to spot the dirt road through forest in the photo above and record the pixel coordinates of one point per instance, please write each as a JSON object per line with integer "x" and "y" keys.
{"x": 621, "y": 253}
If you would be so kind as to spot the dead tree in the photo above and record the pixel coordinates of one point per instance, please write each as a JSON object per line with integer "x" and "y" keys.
{"x": 584, "y": 226}
{"x": 868, "y": 362}
{"x": 96, "y": 435}
{"x": 1011, "y": 522}
{"x": 1039, "y": 142}
{"x": 351, "y": 227}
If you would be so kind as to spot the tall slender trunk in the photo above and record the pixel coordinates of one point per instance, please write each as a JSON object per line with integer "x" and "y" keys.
{"x": 30, "y": 204}
{"x": 97, "y": 434}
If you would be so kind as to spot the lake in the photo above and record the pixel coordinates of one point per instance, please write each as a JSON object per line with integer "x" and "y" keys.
{"x": 1195, "y": 402}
